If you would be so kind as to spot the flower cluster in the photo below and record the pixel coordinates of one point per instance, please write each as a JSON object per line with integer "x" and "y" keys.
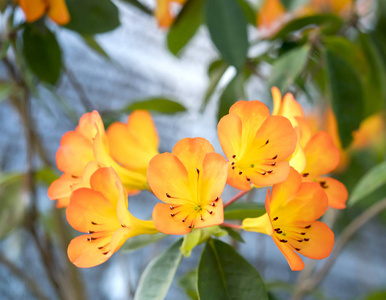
{"x": 103, "y": 168}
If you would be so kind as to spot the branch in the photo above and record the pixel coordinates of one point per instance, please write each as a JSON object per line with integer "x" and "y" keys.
{"x": 235, "y": 198}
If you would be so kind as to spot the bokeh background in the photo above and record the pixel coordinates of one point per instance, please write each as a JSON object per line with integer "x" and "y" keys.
{"x": 133, "y": 63}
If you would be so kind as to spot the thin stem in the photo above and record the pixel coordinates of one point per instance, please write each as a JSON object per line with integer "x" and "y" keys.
{"x": 348, "y": 232}
{"x": 235, "y": 198}
{"x": 32, "y": 285}
{"x": 88, "y": 105}
{"x": 231, "y": 225}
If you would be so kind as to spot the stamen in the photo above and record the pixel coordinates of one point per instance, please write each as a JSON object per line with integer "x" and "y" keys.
{"x": 309, "y": 226}
{"x": 89, "y": 239}
{"x": 198, "y": 171}
{"x": 216, "y": 199}
{"x": 306, "y": 240}
{"x": 283, "y": 241}
{"x": 275, "y": 218}
{"x": 91, "y": 231}
{"x": 305, "y": 174}
{"x": 93, "y": 223}
{"x": 265, "y": 144}
{"x": 167, "y": 195}
{"x": 123, "y": 225}
{"x": 270, "y": 171}
{"x": 248, "y": 179}
{"x": 210, "y": 211}
{"x": 323, "y": 184}
{"x": 233, "y": 168}
{"x": 233, "y": 156}
{"x": 171, "y": 207}
{"x": 263, "y": 173}
{"x": 183, "y": 220}
{"x": 303, "y": 233}
{"x": 297, "y": 249}
{"x": 279, "y": 231}
{"x": 273, "y": 164}
{"x": 172, "y": 214}
{"x": 300, "y": 241}
{"x": 213, "y": 204}
{"x": 240, "y": 173}
{"x": 202, "y": 219}
{"x": 275, "y": 156}
{"x": 190, "y": 226}
{"x": 105, "y": 253}
{"x": 75, "y": 177}
{"x": 232, "y": 163}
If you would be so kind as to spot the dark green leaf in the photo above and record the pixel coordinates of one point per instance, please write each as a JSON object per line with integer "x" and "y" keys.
{"x": 227, "y": 26}
{"x": 287, "y": 67}
{"x": 233, "y": 234}
{"x": 329, "y": 24}
{"x": 139, "y": 5}
{"x": 233, "y": 92}
{"x": 159, "y": 273}
{"x": 215, "y": 72}
{"x": 346, "y": 95}
{"x": 249, "y": 12}
{"x": 224, "y": 274}
{"x": 46, "y": 175}
{"x": 12, "y": 202}
{"x": 94, "y": 45}
{"x": 92, "y": 16}
{"x": 189, "y": 283}
{"x": 371, "y": 181}
{"x": 42, "y": 52}
{"x": 161, "y": 105}
{"x": 242, "y": 210}
{"x": 140, "y": 241}
{"x": 293, "y": 4}
{"x": 185, "y": 26}
{"x": 377, "y": 296}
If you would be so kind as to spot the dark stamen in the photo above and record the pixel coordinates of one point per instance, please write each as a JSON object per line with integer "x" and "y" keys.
{"x": 248, "y": 179}
{"x": 190, "y": 226}
{"x": 270, "y": 171}
{"x": 171, "y": 207}
{"x": 303, "y": 233}
{"x": 202, "y": 219}
{"x": 233, "y": 156}
{"x": 305, "y": 174}
{"x": 211, "y": 212}
{"x": 279, "y": 231}
{"x": 297, "y": 249}
{"x": 274, "y": 163}
{"x": 263, "y": 173}
{"x": 306, "y": 240}
{"x": 283, "y": 241}
{"x": 172, "y": 215}
{"x": 213, "y": 204}
{"x": 233, "y": 163}
{"x": 91, "y": 231}
{"x": 89, "y": 239}
{"x": 105, "y": 253}
{"x": 300, "y": 241}
{"x": 123, "y": 225}
{"x": 233, "y": 168}
{"x": 274, "y": 157}
{"x": 240, "y": 173}
{"x": 198, "y": 171}
{"x": 167, "y": 195}
{"x": 216, "y": 199}
{"x": 93, "y": 223}
{"x": 309, "y": 226}
{"x": 275, "y": 218}
{"x": 323, "y": 184}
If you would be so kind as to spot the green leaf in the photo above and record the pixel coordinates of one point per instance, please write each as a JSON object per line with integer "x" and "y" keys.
{"x": 92, "y": 16}
{"x": 215, "y": 72}
{"x": 232, "y": 93}
{"x": 6, "y": 89}
{"x": 4, "y": 46}
{"x": 94, "y": 45}
{"x": 13, "y": 202}
{"x": 188, "y": 283}
{"x": 233, "y": 233}
{"x": 227, "y": 26}
{"x": 371, "y": 181}
{"x": 139, "y": 5}
{"x": 328, "y": 23}
{"x": 287, "y": 67}
{"x": 46, "y": 175}
{"x": 346, "y": 94}
{"x": 224, "y": 274}
{"x": 185, "y": 26}
{"x": 377, "y": 296}
{"x": 242, "y": 210}
{"x": 249, "y": 12}
{"x": 158, "y": 275}
{"x": 140, "y": 241}
{"x": 161, "y": 105}
{"x": 42, "y": 52}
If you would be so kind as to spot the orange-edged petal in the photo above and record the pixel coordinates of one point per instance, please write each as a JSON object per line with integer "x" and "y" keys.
{"x": 106, "y": 182}
{"x": 293, "y": 259}
{"x": 336, "y": 192}
{"x": 298, "y": 159}
{"x": 303, "y": 131}
{"x": 321, "y": 154}
{"x": 229, "y": 131}
{"x": 287, "y": 107}
{"x": 320, "y": 241}
{"x": 166, "y": 220}
{"x": 90, "y": 250}
{"x": 235, "y": 180}
{"x": 135, "y": 143}
{"x": 168, "y": 179}
{"x": 162, "y": 14}
{"x": 270, "y": 15}
{"x": 60, "y": 190}
{"x": 211, "y": 216}
{"x": 58, "y": 12}
{"x": 74, "y": 153}
{"x": 33, "y": 10}
{"x": 252, "y": 115}
{"x": 214, "y": 177}
{"x": 90, "y": 211}
{"x": 89, "y": 125}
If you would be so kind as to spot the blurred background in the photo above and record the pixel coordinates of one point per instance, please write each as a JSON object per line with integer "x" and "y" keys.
{"x": 188, "y": 63}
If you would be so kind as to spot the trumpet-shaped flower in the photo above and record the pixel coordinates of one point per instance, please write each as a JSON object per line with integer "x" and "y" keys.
{"x": 127, "y": 148}
{"x": 322, "y": 157}
{"x": 55, "y": 9}
{"x": 164, "y": 12}
{"x": 101, "y": 212}
{"x": 256, "y": 145}
{"x": 189, "y": 181}
{"x": 292, "y": 210}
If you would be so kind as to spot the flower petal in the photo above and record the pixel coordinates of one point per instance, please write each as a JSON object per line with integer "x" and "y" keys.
{"x": 106, "y": 182}
{"x": 336, "y": 192}
{"x": 229, "y": 131}
{"x": 74, "y": 153}
{"x": 166, "y": 223}
{"x": 90, "y": 211}
{"x": 168, "y": 179}
{"x": 61, "y": 190}
{"x": 321, "y": 154}
{"x": 211, "y": 216}
{"x": 58, "y": 12}
{"x": 320, "y": 243}
{"x": 261, "y": 224}
{"x": 33, "y": 10}
{"x": 85, "y": 253}
{"x": 89, "y": 125}
{"x": 237, "y": 181}
{"x": 293, "y": 259}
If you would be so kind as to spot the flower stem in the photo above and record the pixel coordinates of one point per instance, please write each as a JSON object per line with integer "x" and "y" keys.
{"x": 231, "y": 225}
{"x": 235, "y": 198}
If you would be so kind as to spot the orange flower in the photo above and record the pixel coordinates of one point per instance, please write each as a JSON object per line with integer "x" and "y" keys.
{"x": 163, "y": 12}
{"x": 55, "y": 9}
{"x": 323, "y": 157}
{"x": 292, "y": 211}
{"x": 256, "y": 144}
{"x": 271, "y": 17}
{"x": 190, "y": 181}
{"x": 127, "y": 148}
{"x": 101, "y": 212}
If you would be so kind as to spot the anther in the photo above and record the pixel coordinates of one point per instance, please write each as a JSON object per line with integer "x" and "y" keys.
{"x": 101, "y": 247}
{"x": 266, "y": 142}
{"x": 89, "y": 239}
{"x": 283, "y": 241}
{"x": 300, "y": 241}
{"x": 105, "y": 253}
{"x": 211, "y": 212}
{"x": 198, "y": 171}
{"x": 73, "y": 176}
{"x": 190, "y": 226}
{"x": 305, "y": 174}
{"x": 172, "y": 214}
{"x": 233, "y": 156}
{"x": 233, "y": 163}
{"x": 248, "y": 179}
{"x": 216, "y": 199}
{"x": 213, "y": 204}
{"x": 297, "y": 249}
{"x": 270, "y": 171}
{"x": 263, "y": 173}
{"x": 93, "y": 223}
{"x": 323, "y": 184}
{"x": 275, "y": 218}
{"x": 233, "y": 168}
{"x": 274, "y": 163}
{"x": 123, "y": 225}
{"x": 309, "y": 226}
{"x": 303, "y": 233}
{"x": 279, "y": 231}
{"x": 274, "y": 157}
{"x": 240, "y": 173}
{"x": 202, "y": 219}
{"x": 306, "y": 240}
{"x": 167, "y": 195}
{"x": 171, "y": 207}
{"x": 91, "y": 231}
